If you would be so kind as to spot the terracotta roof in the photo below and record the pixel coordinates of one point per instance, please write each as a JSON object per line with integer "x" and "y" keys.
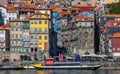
{"x": 116, "y": 35}
{"x": 41, "y": 1}
{"x": 27, "y": 18}
{"x": 64, "y": 13}
{"x": 53, "y": 7}
{"x": 31, "y": 6}
{"x": 84, "y": 19}
{"x": 10, "y": 6}
{"x": 98, "y": 10}
{"x": 18, "y": 20}
{"x": 24, "y": 10}
{"x": 73, "y": 8}
{"x": 39, "y": 13}
{"x": 21, "y": 1}
{"x": 7, "y": 25}
{"x": 84, "y": 7}
{"x": 43, "y": 9}
{"x": 1, "y": 28}
{"x": 57, "y": 9}
{"x": 111, "y": 15}
{"x": 11, "y": 11}
{"x": 39, "y": 18}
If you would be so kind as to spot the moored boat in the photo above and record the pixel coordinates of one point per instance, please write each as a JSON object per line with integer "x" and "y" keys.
{"x": 50, "y": 64}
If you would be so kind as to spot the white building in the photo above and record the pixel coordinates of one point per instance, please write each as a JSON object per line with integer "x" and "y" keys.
{"x": 2, "y": 39}
{"x": 8, "y": 13}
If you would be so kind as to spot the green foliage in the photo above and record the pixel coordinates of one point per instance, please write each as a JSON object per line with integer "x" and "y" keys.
{"x": 114, "y": 8}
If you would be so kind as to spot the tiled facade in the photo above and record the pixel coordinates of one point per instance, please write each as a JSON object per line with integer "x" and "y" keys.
{"x": 16, "y": 39}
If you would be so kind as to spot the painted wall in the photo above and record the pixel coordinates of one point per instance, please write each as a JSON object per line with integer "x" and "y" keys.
{"x": 2, "y": 40}
{"x": 7, "y": 16}
{"x": 41, "y": 41}
{"x": 116, "y": 45}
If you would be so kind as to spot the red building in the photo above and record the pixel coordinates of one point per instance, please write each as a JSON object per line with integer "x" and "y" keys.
{"x": 115, "y": 43}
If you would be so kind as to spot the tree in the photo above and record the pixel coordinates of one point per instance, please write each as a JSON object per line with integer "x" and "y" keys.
{"x": 114, "y": 8}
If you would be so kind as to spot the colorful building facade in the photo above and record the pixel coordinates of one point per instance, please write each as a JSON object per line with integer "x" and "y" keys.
{"x": 16, "y": 36}
{"x": 39, "y": 33}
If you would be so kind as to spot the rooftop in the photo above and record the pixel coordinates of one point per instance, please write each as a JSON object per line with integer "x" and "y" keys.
{"x": 1, "y": 28}
{"x": 116, "y": 35}
{"x": 111, "y": 15}
{"x": 84, "y": 19}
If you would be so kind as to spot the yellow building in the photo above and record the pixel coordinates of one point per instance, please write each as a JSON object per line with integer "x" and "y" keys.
{"x": 39, "y": 32}
{"x": 111, "y": 1}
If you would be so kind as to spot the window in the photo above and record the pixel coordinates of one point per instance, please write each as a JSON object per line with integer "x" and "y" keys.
{"x": 46, "y": 12}
{"x": 12, "y": 43}
{"x": 20, "y": 29}
{"x": 16, "y": 36}
{"x": 40, "y": 30}
{"x": 113, "y": 49}
{"x": 40, "y": 22}
{"x": 31, "y": 30}
{"x": 46, "y": 37}
{"x": 35, "y": 49}
{"x": 31, "y": 22}
{"x": 20, "y": 43}
{"x": 45, "y": 22}
{"x": 20, "y": 36}
{"x": 31, "y": 37}
{"x": 46, "y": 45}
{"x": 16, "y": 29}
{"x": 37, "y": 16}
{"x": 40, "y": 16}
{"x": 105, "y": 18}
{"x": 35, "y": 22}
{"x": 12, "y": 35}
{"x": 40, "y": 37}
{"x": 9, "y": 18}
{"x": 12, "y": 18}
{"x": 46, "y": 30}
{"x": 118, "y": 49}
{"x": 16, "y": 42}
{"x": 31, "y": 49}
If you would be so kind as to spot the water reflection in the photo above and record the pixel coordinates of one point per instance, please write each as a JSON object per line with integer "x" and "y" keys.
{"x": 61, "y": 72}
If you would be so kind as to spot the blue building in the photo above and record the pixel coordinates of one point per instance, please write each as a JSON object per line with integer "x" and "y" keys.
{"x": 1, "y": 19}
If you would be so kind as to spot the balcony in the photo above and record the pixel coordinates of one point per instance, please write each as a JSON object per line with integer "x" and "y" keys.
{"x": 2, "y": 41}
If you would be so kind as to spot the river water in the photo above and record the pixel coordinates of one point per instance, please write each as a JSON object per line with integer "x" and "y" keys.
{"x": 60, "y": 72}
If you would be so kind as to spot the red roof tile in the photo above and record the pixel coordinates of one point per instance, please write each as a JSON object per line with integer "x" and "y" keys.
{"x": 111, "y": 15}
{"x": 7, "y": 25}
{"x": 1, "y": 28}
{"x": 83, "y": 18}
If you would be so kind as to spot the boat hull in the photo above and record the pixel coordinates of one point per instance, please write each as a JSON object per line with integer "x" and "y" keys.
{"x": 71, "y": 67}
